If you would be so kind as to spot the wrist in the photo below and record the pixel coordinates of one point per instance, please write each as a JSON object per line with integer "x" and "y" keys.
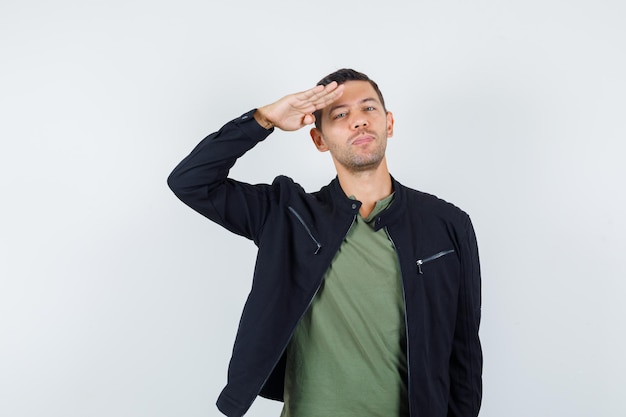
{"x": 262, "y": 120}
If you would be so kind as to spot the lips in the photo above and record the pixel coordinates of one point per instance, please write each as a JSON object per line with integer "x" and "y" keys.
{"x": 359, "y": 140}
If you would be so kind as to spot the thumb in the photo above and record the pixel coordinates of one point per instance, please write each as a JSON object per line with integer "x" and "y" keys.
{"x": 308, "y": 119}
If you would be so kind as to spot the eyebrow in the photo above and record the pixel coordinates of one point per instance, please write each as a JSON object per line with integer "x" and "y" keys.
{"x": 365, "y": 100}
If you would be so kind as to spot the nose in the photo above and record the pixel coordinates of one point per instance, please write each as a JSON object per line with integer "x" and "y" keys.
{"x": 359, "y": 123}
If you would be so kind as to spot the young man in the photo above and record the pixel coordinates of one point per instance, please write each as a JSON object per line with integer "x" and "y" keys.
{"x": 366, "y": 294}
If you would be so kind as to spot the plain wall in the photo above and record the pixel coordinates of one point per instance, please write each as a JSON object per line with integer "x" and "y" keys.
{"x": 118, "y": 300}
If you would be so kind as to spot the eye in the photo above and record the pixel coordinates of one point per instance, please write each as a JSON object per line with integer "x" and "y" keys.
{"x": 370, "y": 108}
{"x": 339, "y": 115}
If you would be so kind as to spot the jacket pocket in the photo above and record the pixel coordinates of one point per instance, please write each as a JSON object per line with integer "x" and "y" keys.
{"x": 421, "y": 262}
{"x": 306, "y": 228}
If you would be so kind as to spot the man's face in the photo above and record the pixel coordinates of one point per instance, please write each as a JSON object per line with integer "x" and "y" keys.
{"x": 355, "y": 128}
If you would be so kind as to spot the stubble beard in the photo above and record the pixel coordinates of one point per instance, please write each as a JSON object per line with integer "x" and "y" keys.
{"x": 357, "y": 162}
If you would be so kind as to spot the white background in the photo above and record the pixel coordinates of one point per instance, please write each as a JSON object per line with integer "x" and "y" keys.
{"x": 118, "y": 300}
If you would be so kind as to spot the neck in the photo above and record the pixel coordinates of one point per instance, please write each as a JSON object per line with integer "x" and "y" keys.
{"x": 367, "y": 186}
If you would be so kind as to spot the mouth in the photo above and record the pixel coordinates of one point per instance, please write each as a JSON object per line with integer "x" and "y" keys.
{"x": 362, "y": 139}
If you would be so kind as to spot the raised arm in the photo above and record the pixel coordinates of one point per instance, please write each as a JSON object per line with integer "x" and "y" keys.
{"x": 201, "y": 179}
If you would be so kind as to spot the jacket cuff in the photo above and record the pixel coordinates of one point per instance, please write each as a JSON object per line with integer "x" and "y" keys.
{"x": 248, "y": 124}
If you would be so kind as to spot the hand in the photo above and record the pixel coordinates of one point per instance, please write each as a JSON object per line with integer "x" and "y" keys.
{"x": 295, "y": 111}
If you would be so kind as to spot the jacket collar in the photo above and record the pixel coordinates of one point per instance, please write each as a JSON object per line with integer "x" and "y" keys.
{"x": 346, "y": 204}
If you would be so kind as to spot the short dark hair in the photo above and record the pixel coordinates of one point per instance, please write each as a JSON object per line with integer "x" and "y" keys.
{"x": 341, "y": 76}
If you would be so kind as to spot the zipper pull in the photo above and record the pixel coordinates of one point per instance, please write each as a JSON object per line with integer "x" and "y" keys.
{"x": 421, "y": 262}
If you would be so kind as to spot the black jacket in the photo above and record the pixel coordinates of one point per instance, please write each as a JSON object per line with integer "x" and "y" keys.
{"x": 298, "y": 234}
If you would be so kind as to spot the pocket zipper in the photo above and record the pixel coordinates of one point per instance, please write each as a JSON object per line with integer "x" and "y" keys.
{"x": 421, "y": 262}
{"x": 301, "y": 220}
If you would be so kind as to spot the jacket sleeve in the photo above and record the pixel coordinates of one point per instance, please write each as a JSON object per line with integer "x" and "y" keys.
{"x": 201, "y": 179}
{"x": 466, "y": 360}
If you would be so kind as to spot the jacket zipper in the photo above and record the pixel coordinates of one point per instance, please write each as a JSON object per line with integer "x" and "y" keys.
{"x": 301, "y": 220}
{"x": 406, "y": 326}
{"x": 421, "y": 262}
{"x": 319, "y": 285}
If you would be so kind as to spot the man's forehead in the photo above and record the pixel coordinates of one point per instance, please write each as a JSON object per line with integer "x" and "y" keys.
{"x": 355, "y": 92}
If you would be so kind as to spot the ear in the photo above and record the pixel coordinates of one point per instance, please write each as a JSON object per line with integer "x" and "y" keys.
{"x": 389, "y": 124}
{"x": 318, "y": 139}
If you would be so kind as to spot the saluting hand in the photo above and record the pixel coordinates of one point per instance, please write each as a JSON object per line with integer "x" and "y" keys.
{"x": 295, "y": 111}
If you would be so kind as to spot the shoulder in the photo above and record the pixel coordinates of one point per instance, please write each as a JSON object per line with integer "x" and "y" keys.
{"x": 430, "y": 205}
{"x": 287, "y": 184}
{"x": 286, "y": 191}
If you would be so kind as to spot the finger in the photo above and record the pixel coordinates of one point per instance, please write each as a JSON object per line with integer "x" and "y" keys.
{"x": 317, "y": 92}
{"x": 329, "y": 92}
{"x": 317, "y": 97}
{"x": 320, "y": 96}
{"x": 328, "y": 96}
{"x": 310, "y": 93}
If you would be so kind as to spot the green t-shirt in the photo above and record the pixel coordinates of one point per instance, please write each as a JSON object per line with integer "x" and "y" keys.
{"x": 347, "y": 357}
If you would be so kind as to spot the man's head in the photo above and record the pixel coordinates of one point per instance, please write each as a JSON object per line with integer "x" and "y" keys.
{"x": 341, "y": 76}
{"x": 355, "y": 126}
